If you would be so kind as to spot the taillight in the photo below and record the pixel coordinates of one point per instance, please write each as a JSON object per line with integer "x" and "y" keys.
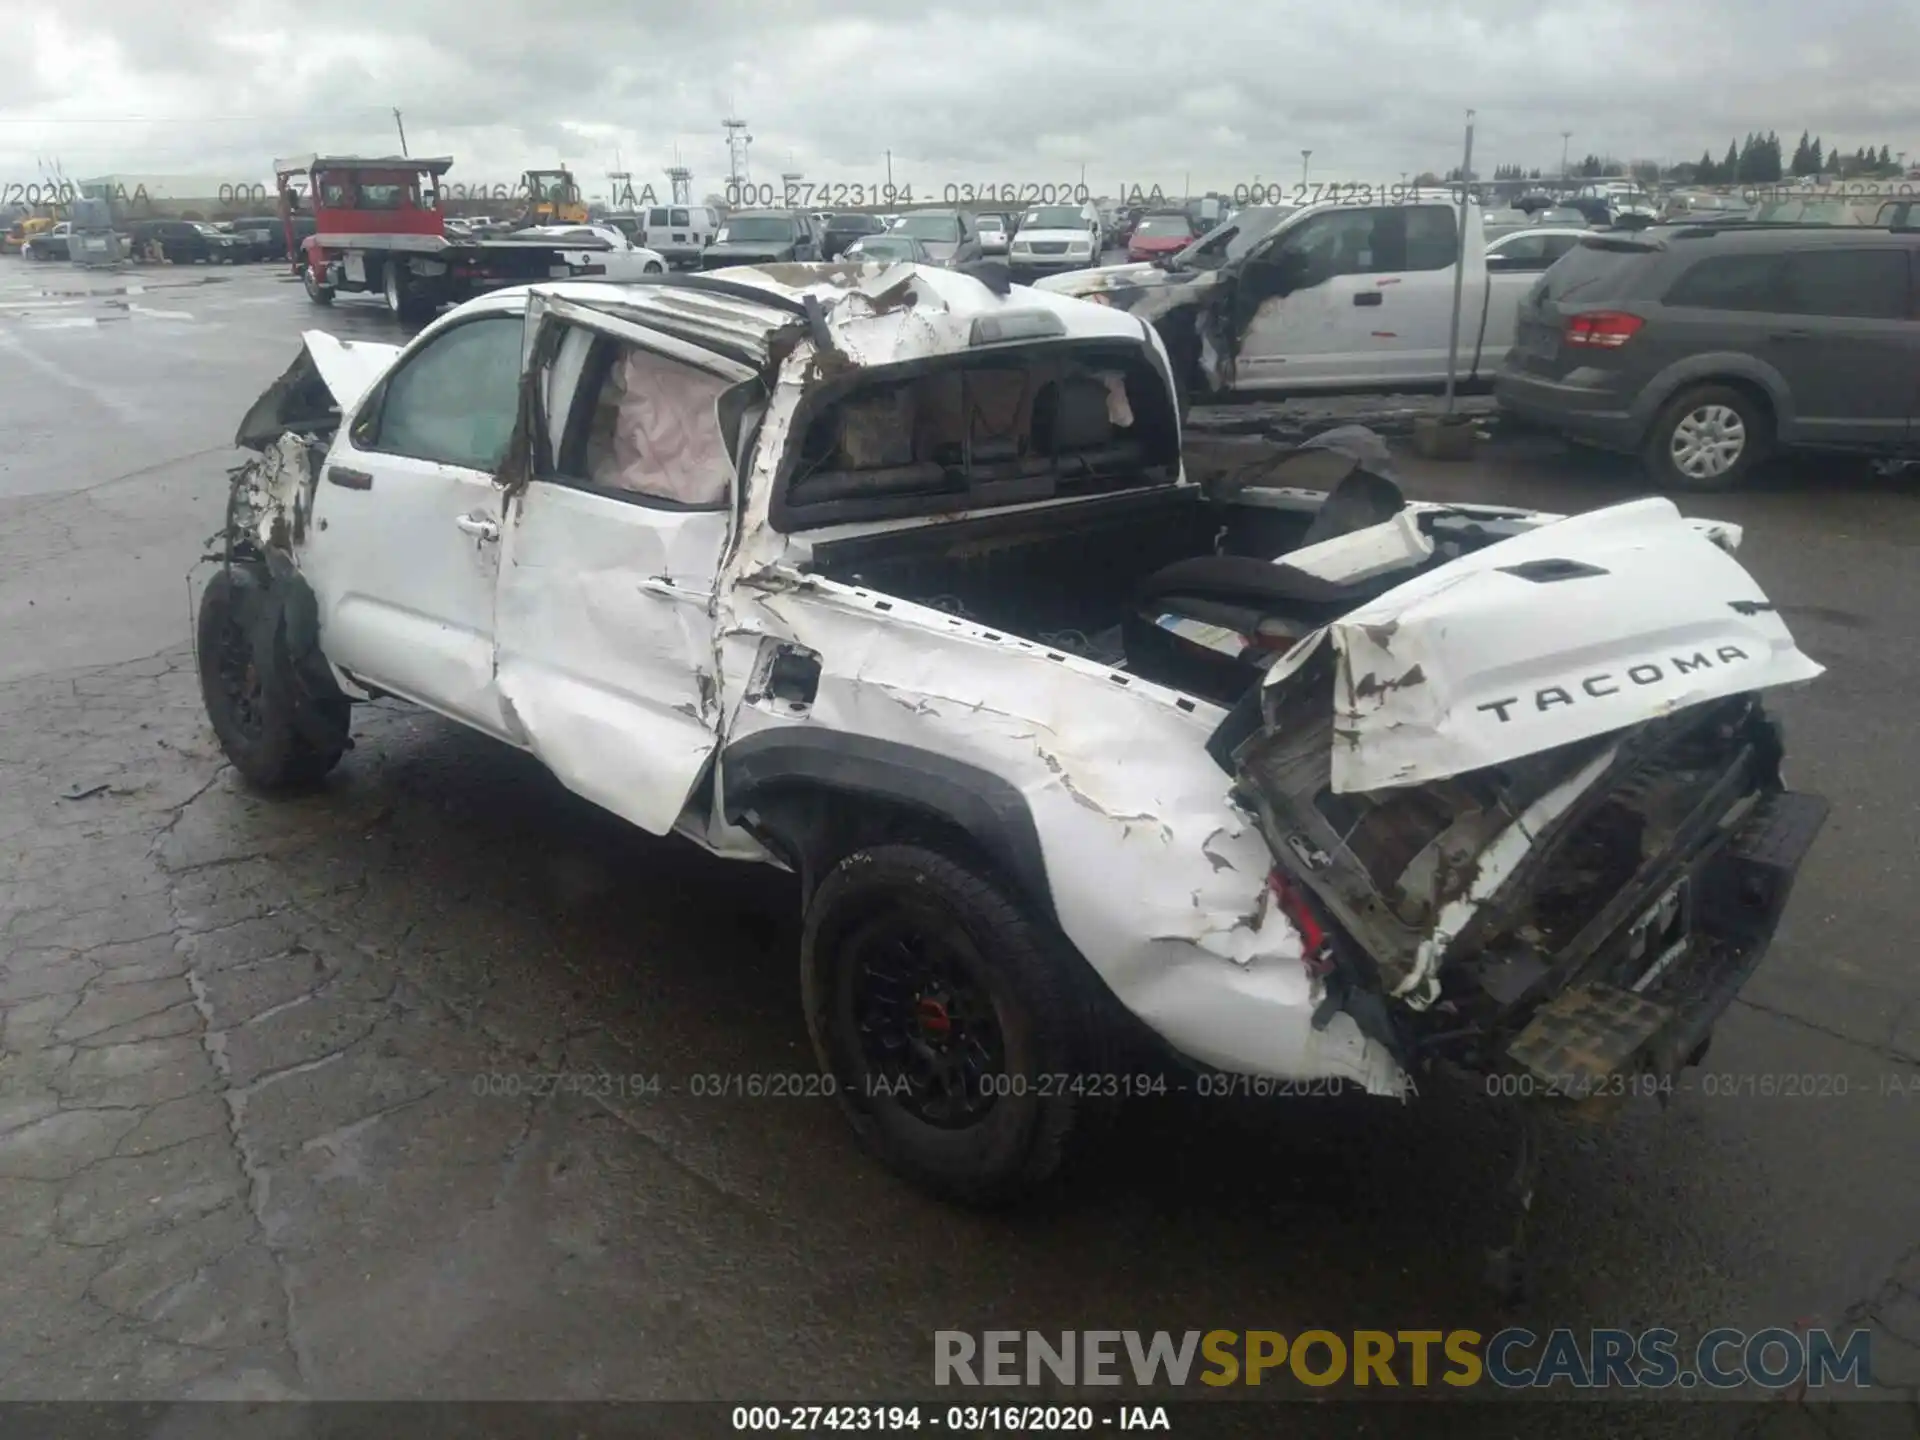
{"x": 1316, "y": 945}
{"x": 1606, "y": 329}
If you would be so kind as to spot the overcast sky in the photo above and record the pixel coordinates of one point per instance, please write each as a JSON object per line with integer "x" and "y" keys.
{"x": 1001, "y": 90}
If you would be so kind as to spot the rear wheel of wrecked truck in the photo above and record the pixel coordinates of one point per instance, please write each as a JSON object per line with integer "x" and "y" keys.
{"x": 247, "y": 685}
{"x": 946, "y": 1018}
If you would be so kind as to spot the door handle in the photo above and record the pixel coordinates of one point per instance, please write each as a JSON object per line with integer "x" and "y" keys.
{"x": 349, "y": 479}
{"x": 1368, "y": 297}
{"x": 481, "y": 527}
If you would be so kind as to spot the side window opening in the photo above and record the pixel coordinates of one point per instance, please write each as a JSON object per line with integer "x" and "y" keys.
{"x": 1358, "y": 241}
{"x": 645, "y": 427}
{"x": 1007, "y": 428}
{"x": 1849, "y": 284}
{"x": 1729, "y": 282}
{"x": 456, "y": 400}
{"x": 1432, "y": 237}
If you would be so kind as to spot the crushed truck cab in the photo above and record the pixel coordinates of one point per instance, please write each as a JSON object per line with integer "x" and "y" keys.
{"x": 892, "y": 576}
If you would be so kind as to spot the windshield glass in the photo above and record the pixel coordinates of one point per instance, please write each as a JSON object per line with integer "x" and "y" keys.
{"x": 1239, "y": 233}
{"x": 896, "y": 247}
{"x": 1164, "y": 227}
{"x": 1052, "y": 217}
{"x": 991, "y": 222}
{"x": 758, "y": 227}
{"x": 929, "y": 227}
{"x": 1807, "y": 212}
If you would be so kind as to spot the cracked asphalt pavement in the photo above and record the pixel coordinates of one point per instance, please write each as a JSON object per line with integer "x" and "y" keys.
{"x": 273, "y": 1119}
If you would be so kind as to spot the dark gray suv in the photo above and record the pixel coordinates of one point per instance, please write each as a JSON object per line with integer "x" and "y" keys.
{"x": 1703, "y": 350}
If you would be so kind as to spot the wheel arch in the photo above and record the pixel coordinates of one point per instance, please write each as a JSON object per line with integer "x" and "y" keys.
{"x": 1750, "y": 376}
{"x": 817, "y": 794}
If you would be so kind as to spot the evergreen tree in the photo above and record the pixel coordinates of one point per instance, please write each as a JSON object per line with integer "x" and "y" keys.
{"x": 1729, "y": 169}
{"x": 1817, "y": 165}
{"x": 1886, "y": 158}
{"x": 1803, "y": 157}
{"x": 1770, "y": 166}
{"x": 1706, "y": 172}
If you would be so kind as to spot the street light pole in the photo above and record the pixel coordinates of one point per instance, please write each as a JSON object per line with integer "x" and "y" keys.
{"x": 1305, "y": 155}
{"x": 1565, "y": 136}
{"x": 1459, "y": 266}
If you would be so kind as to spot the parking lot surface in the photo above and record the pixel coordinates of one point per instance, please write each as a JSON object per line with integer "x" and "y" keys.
{"x": 401, "y": 1089}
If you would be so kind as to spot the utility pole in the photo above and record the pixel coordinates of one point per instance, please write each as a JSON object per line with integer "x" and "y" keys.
{"x": 1305, "y": 156}
{"x": 889, "y": 175}
{"x": 401, "y": 127}
{"x": 1565, "y": 136}
{"x": 1459, "y": 266}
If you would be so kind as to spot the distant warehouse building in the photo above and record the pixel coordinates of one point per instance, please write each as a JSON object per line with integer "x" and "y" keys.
{"x": 180, "y": 196}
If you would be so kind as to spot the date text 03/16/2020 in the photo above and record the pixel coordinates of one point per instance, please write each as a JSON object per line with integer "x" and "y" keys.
{"x": 815, "y": 1085}
{"x": 953, "y": 1419}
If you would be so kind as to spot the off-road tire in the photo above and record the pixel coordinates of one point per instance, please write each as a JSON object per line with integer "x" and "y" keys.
{"x": 1046, "y": 1001}
{"x": 259, "y": 736}
{"x": 1706, "y": 404}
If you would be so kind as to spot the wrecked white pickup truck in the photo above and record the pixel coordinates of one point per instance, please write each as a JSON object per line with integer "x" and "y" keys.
{"x": 893, "y": 576}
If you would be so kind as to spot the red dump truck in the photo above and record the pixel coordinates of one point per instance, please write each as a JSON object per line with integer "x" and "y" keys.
{"x": 378, "y": 228}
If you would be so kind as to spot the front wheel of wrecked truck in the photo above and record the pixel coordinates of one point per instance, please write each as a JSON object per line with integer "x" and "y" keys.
{"x": 247, "y": 685}
{"x": 947, "y": 1019}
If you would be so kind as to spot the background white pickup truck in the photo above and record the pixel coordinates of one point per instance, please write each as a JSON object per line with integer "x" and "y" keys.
{"x": 1336, "y": 296}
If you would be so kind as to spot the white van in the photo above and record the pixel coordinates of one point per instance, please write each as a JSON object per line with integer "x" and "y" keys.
{"x": 679, "y": 232}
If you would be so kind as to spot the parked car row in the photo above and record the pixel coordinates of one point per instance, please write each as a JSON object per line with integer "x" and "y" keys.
{"x": 185, "y": 242}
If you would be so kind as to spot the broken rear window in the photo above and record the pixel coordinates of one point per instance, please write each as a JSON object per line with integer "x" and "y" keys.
{"x": 997, "y": 429}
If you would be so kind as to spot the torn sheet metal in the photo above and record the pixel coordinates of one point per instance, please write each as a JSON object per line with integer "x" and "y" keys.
{"x": 273, "y": 493}
{"x": 1396, "y": 544}
{"x": 1578, "y": 628}
{"x": 1495, "y": 864}
{"x": 1157, "y": 878}
{"x": 324, "y": 382}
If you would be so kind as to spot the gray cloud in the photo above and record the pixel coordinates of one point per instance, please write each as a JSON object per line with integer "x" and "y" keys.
{"x": 994, "y": 91}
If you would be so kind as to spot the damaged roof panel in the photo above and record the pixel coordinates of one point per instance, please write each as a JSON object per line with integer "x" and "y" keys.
{"x": 875, "y": 313}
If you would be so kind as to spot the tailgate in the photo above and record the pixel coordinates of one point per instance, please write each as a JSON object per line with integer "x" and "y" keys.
{"x": 1582, "y": 627}
{"x": 1537, "y": 794}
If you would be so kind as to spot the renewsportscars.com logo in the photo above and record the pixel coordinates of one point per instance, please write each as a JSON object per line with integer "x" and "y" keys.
{"x": 1511, "y": 1359}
